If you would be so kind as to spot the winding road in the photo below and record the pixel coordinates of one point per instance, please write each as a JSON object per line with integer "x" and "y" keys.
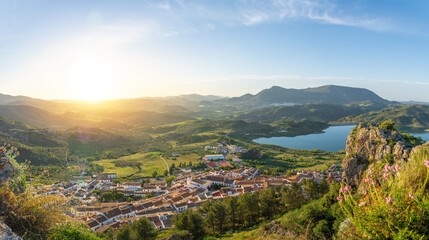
{"x": 166, "y": 164}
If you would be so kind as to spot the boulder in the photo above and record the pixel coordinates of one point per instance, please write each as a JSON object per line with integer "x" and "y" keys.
{"x": 6, "y": 167}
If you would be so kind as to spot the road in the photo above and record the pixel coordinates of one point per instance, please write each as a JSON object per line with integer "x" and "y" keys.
{"x": 166, "y": 164}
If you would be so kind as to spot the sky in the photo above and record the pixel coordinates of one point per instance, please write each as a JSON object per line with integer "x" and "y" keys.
{"x": 123, "y": 49}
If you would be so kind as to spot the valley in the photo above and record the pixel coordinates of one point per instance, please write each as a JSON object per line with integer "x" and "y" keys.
{"x": 155, "y": 147}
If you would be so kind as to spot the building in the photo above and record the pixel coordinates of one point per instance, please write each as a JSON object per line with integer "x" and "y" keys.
{"x": 214, "y": 157}
{"x": 106, "y": 177}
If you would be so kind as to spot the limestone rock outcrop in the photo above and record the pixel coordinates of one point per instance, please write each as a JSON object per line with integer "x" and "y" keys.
{"x": 6, "y": 233}
{"x": 368, "y": 144}
{"x": 6, "y": 167}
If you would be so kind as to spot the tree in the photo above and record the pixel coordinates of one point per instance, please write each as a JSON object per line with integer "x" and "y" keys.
{"x": 144, "y": 181}
{"x": 118, "y": 196}
{"x": 154, "y": 174}
{"x": 249, "y": 207}
{"x": 125, "y": 233}
{"x": 170, "y": 179}
{"x": 144, "y": 229}
{"x": 292, "y": 197}
{"x": 252, "y": 154}
{"x": 191, "y": 221}
{"x": 117, "y": 180}
{"x": 314, "y": 190}
{"x": 268, "y": 203}
{"x": 108, "y": 195}
{"x": 166, "y": 172}
{"x": 219, "y": 213}
{"x": 232, "y": 209}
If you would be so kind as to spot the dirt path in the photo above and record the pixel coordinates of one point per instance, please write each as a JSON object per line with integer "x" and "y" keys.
{"x": 166, "y": 164}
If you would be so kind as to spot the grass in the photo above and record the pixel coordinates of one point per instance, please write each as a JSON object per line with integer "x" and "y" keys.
{"x": 135, "y": 166}
{"x": 186, "y": 158}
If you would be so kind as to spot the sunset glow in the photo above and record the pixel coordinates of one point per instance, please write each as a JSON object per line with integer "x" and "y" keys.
{"x": 92, "y": 79}
{"x": 106, "y": 49}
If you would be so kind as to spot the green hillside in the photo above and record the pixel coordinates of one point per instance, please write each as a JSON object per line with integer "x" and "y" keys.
{"x": 321, "y": 112}
{"x": 414, "y": 116}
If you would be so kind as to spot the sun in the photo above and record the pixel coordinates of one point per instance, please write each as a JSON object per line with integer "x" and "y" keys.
{"x": 92, "y": 79}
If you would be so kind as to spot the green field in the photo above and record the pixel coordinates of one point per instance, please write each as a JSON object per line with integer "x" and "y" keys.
{"x": 143, "y": 164}
{"x": 193, "y": 157}
{"x": 134, "y": 166}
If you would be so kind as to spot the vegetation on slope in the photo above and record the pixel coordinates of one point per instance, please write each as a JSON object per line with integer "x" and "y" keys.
{"x": 320, "y": 112}
{"x": 415, "y": 116}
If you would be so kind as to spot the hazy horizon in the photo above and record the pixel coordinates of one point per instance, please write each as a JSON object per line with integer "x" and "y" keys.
{"x": 99, "y": 50}
{"x": 166, "y": 96}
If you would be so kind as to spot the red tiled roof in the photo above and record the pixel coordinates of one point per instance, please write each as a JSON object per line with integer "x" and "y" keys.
{"x": 225, "y": 164}
{"x": 211, "y": 164}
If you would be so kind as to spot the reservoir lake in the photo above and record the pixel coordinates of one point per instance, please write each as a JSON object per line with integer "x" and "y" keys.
{"x": 332, "y": 140}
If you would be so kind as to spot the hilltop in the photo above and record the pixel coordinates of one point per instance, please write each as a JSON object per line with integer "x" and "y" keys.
{"x": 329, "y": 94}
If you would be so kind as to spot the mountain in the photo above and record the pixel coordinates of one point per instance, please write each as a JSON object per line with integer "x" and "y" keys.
{"x": 329, "y": 94}
{"x": 315, "y": 112}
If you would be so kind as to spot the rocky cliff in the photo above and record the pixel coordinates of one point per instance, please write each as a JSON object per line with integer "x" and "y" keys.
{"x": 6, "y": 167}
{"x": 369, "y": 144}
{"x": 6, "y": 171}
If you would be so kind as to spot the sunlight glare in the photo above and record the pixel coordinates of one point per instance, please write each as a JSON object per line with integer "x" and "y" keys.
{"x": 92, "y": 79}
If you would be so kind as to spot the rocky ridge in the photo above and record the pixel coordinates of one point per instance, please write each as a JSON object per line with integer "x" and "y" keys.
{"x": 369, "y": 144}
{"x": 6, "y": 167}
{"x": 6, "y": 171}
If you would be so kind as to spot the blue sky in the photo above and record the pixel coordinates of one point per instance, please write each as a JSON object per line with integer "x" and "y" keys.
{"x": 118, "y": 49}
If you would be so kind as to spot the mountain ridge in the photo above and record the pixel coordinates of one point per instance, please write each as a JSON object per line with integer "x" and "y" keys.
{"x": 330, "y": 94}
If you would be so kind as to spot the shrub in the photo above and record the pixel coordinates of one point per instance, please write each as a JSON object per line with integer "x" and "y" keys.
{"x": 388, "y": 124}
{"x": 31, "y": 216}
{"x": 72, "y": 232}
{"x": 390, "y": 210}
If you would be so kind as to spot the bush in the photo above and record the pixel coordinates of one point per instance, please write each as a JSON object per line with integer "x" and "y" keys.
{"x": 72, "y": 232}
{"x": 31, "y": 216}
{"x": 388, "y": 124}
{"x": 398, "y": 208}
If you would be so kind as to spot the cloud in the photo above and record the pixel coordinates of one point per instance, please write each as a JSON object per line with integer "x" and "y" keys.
{"x": 255, "y": 17}
{"x": 322, "y": 11}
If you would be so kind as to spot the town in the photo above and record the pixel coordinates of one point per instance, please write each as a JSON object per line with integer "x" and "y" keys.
{"x": 159, "y": 199}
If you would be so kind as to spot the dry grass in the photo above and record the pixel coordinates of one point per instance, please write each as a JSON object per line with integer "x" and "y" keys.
{"x": 30, "y": 216}
{"x": 414, "y": 171}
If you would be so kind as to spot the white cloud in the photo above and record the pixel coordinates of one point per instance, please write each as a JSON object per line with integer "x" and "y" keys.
{"x": 322, "y": 11}
{"x": 255, "y": 17}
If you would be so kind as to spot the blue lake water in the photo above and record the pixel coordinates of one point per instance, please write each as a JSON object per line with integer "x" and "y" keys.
{"x": 333, "y": 139}
{"x": 424, "y": 135}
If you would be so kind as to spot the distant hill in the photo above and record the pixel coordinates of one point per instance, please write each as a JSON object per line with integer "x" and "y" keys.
{"x": 415, "y": 116}
{"x": 414, "y": 102}
{"x": 179, "y": 103}
{"x": 109, "y": 118}
{"x": 321, "y": 112}
{"x": 329, "y": 94}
